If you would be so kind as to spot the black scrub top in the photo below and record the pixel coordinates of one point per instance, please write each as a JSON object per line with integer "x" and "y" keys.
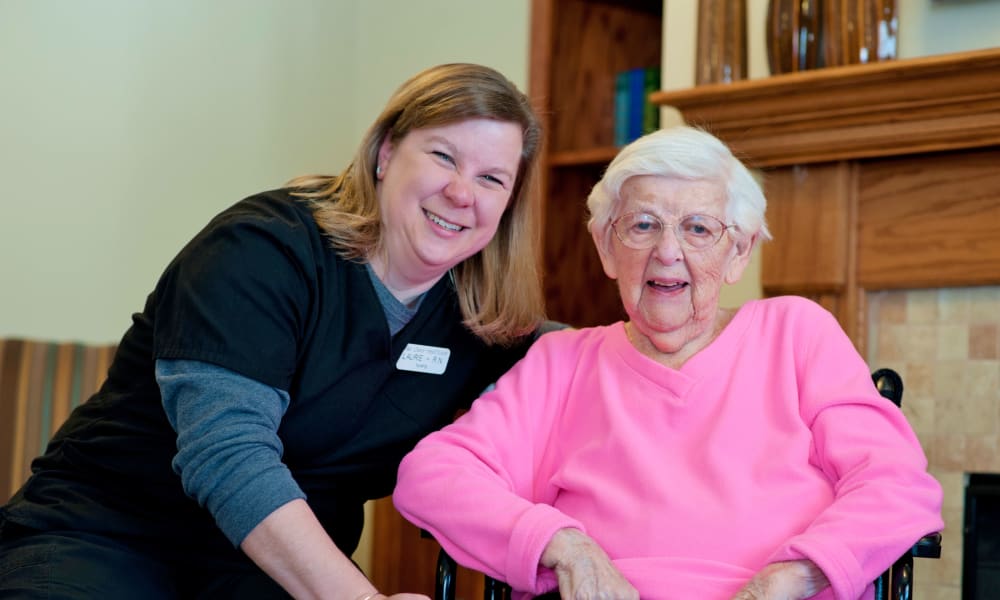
{"x": 259, "y": 291}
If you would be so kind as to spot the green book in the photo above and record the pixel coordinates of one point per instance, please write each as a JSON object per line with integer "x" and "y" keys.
{"x": 651, "y": 112}
{"x": 621, "y": 108}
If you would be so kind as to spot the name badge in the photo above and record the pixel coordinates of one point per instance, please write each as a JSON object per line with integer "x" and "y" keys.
{"x": 423, "y": 359}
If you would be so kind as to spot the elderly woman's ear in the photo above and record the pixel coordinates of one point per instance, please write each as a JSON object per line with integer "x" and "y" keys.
{"x": 743, "y": 246}
{"x": 602, "y": 241}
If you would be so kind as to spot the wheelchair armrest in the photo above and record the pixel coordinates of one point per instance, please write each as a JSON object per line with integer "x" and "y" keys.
{"x": 444, "y": 581}
{"x": 928, "y": 546}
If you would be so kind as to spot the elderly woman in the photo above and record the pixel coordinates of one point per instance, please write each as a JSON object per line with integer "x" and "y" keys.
{"x": 692, "y": 451}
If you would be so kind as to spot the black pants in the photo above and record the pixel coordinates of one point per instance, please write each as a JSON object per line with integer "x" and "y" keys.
{"x": 72, "y": 565}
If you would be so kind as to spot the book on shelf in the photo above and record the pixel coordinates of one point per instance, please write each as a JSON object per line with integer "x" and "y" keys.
{"x": 635, "y": 115}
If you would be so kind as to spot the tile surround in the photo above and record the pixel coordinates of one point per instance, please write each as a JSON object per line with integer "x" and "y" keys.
{"x": 946, "y": 345}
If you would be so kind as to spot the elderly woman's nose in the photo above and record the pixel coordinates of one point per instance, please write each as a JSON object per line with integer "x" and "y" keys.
{"x": 459, "y": 191}
{"x": 668, "y": 247}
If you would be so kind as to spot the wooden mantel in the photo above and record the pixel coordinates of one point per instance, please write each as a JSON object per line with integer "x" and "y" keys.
{"x": 930, "y": 104}
{"x": 878, "y": 176}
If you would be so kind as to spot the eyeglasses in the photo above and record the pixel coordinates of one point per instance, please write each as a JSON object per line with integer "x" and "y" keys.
{"x": 639, "y": 230}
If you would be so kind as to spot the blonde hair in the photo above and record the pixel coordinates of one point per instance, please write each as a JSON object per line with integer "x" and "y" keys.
{"x": 499, "y": 290}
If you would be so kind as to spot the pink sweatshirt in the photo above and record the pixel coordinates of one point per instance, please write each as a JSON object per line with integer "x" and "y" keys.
{"x": 770, "y": 444}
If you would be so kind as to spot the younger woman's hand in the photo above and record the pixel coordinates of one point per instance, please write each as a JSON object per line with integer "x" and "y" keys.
{"x": 583, "y": 568}
{"x": 791, "y": 580}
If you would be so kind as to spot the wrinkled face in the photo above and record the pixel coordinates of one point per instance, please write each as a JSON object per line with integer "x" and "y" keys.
{"x": 442, "y": 191}
{"x": 669, "y": 291}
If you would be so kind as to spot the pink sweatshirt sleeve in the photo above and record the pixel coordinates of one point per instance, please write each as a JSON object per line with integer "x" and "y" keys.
{"x": 473, "y": 484}
{"x": 864, "y": 443}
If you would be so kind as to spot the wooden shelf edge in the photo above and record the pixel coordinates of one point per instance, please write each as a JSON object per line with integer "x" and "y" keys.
{"x": 925, "y": 104}
{"x": 798, "y": 288}
{"x": 590, "y": 156}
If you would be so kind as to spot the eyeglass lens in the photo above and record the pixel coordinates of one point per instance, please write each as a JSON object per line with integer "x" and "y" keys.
{"x": 641, "y": 230}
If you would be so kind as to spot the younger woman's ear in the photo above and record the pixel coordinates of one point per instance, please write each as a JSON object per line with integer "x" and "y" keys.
{"x": 384, "y": 153}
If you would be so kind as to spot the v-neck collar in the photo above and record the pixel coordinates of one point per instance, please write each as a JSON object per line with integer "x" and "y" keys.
{"x": 704, "y": 364}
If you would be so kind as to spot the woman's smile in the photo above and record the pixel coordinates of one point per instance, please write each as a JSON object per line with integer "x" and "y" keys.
{"x": 665, "y": 285}
{"x": 438, "y": 220}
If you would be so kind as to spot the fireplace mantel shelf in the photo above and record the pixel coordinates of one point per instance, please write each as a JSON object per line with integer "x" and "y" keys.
{"x": 911, "y": 106}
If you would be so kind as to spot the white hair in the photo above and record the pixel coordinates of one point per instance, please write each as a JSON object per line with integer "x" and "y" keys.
{"x": 682, "y": 152}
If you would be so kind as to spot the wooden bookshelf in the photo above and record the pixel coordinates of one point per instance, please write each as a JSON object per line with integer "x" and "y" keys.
{"x": 577, "y": 48}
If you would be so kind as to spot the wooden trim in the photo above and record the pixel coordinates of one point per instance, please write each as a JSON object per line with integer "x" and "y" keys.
{"x": 539, "y": 91}
{"x": 860, "y": 334}
{"x": 540, "y": 65}
{"x": 589, "y": 156}
{"x": 809, "y": 218}
{"x": 851, "y": 317}
{"x": 918, "y": 105}
{"x": 930, "y": 221}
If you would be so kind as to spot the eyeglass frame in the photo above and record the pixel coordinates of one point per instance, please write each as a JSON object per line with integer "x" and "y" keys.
{"x": 677, "y": 232}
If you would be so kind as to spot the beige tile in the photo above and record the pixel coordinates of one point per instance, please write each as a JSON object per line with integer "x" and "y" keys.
{"x": 984, "y": 304}
{"x": 951, "y": 535}
{"x": 890, "y": 306}
{"x": 936, "y": 571}
{"x": 952, "y": 486}
{"x": 958, "y": 408}
{"x": 981, "y": 453}
{"x": 926, "y": 590}
{"x": 980, "y": 417}
{"x": 890, "y": 342}
{"x": 918, "y": 381}
{"x": 984, "y": 342}
{"x": 922, "y": 306}
{"x": 953, "y": 305}
{"x": 942, "y": 571}
{"x": 952, "y": 341}
{"x": 982, "y": 379}
{"x": 919, "y": 411}
{"x": 949, "y": 380}
{"x": 948, "y": 451}
{"x": 918, "y": 342}
{"x": 965, "y": 379}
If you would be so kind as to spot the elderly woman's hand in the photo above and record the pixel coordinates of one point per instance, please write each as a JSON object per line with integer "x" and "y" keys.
{"x": 584, "y": 570}
{"x": 792, "y": 580}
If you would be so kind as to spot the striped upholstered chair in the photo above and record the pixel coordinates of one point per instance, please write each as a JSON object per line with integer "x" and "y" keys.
{"x": 40, "y": 383}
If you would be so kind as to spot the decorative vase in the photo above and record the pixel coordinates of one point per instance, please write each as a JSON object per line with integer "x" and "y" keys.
{"x": 794, "y": 35}
{"x": 722, "y": 41}
{"x": 859, "y": 31}
{"x": 810, "y": 34}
